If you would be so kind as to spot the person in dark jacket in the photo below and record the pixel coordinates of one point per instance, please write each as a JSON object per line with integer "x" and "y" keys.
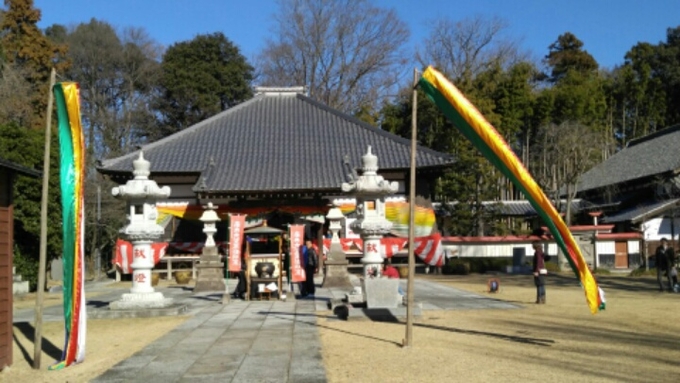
{"x": 241, "y": 288}
{"x": 539, "y": 272}
{"x": 665, "y": 259}
{"x": 311, "y": 260}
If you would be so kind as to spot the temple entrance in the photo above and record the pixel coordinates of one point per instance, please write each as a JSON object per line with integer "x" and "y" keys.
{"x": 280, "y": 220}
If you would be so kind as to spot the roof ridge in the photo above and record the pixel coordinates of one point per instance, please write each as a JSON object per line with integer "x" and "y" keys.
{"x": 372, "y": 128}
{"x": 191, "y": 129}
{"x": 651, "y": 136}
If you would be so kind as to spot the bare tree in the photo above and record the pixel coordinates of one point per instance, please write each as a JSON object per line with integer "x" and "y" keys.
{"x": 348, "y": 53}
{"x": 566, "y": 151}
{"x": 117, "y": 73}
{"x": 15, "y": 96}
{"x": 462, "y": 49}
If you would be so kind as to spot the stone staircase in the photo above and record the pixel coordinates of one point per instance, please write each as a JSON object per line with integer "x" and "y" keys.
{"x": 18, "y": 285}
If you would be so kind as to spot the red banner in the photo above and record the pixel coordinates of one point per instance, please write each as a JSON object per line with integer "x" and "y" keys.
{"x": 236, "y": 225}
{"x": 124, "y": 256}
{"x": 297, "y": 269}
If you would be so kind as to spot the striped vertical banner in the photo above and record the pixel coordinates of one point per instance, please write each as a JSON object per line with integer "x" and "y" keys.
{"x": 72, "y": 176}
{"x": 494, "y": 148}
{"x": 297, "y": 269}
{"x": 236, "y": 226}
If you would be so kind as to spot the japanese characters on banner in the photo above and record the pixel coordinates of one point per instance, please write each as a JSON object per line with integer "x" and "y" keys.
{"x": 236, "y": 225}
{"x": 126, "y": 255}
{"x": 297, "y": 269}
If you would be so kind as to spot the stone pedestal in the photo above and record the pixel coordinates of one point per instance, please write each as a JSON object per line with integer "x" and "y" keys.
{"x": 336, "y": 274}
{"x": 210, "y": 272}
{"x": 336, "y": 266}
{"x": 131, "y": 301}
{"x": 382, "y": 293}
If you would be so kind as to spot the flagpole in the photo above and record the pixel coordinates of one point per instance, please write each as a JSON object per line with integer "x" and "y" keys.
{"x": 37, "y": 339}
{"x": 408, "y": 341}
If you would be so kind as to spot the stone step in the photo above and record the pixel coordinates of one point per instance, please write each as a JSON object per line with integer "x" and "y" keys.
{"x": 17, "y": 278}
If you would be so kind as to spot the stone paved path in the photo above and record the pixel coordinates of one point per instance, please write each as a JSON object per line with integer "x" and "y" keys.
{"x": 238, "y": 342}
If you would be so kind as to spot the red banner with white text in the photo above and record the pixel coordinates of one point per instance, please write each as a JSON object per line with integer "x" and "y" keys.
{"x": 297, "y": 269}
{"x": 236, "y": 225}
{"x": 124, "y": 255}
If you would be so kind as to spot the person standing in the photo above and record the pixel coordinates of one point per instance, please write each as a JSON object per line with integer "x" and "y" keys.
{"x": 311, "y": 260}
{"x": 241, "y": 287}
{"x": 539, "y": 272}
{"x": 664, "y": 257}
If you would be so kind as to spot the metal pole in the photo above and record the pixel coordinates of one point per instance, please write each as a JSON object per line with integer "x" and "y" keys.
{"x": 97, "y": 253}
{"x": 408, "y": 341}
{"x": 37, "y": 339}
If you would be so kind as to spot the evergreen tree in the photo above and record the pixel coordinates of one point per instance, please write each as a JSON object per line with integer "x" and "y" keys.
{"x": 27, "y": 48}
{"x": 201, "y": 78}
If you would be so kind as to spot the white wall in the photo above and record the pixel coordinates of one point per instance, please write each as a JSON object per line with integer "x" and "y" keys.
{"x": 606, "y": 247}
{"x": 658, "y": 228}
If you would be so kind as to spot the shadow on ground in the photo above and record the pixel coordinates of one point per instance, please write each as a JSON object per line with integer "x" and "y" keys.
{"x": 499, "y": 336}
{"x": 28, "y": 331}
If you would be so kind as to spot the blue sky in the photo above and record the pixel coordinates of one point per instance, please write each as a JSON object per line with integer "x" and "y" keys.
{"x": 608, "y": 28}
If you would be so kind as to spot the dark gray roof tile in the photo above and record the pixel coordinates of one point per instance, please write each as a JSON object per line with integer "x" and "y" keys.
{"x": 654, "y": 154}
{"x": 643, "y": 211}
{"x": 276, "y": 142}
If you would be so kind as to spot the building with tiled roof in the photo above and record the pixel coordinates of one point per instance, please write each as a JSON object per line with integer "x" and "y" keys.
{"x": 639, "y": 186}
{"x": 279, "y": 151}
{"x": 278, "y": 142}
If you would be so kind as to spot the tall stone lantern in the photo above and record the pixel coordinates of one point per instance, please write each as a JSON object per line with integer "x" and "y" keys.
{"x": 336, "y": 264}
{"x": 370, "y": 190}
{"x": 210, "y": 268}
{"x": 141, "y": 195}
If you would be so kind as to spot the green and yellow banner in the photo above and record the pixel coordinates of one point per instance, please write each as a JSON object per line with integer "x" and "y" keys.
{"x": 491, "y": 144}
{"x": 72, "y": 176}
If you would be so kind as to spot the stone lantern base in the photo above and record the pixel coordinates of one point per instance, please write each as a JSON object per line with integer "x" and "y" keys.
{"x": 132, "y": 301}
{"x": 210, "y": 271}
{"x": 336, "y": 274}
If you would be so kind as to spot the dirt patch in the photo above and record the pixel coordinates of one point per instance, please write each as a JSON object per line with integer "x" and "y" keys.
{"x": 109, "y": 341}
{"x": 637, "y": 339}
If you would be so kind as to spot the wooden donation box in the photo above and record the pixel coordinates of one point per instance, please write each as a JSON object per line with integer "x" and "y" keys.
{"x": 264, "y": 262}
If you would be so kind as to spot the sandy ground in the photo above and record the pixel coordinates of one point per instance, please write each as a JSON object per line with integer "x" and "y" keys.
{"x": 637, "y": 339}
{"x": 109, "y": 341}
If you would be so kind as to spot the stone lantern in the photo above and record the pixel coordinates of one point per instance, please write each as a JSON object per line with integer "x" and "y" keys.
{"x": 141, "y": 195}
{"x": 209, "y": 267}
{"x": 336, "y": 264}
{"x": 370, "y": 190}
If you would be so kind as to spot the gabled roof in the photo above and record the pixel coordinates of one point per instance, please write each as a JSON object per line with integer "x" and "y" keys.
{"x": 647, "y": 156}
{"x": 275, "y": 142}
{"x": 19, "y": 168}
{"x": 643, "y": 211}
{"x": 518, "y": 208}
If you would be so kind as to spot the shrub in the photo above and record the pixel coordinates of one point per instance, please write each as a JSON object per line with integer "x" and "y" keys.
{"x": 27, "y": 267}
{"x": 552, "y": 267}
{"x": 464, "y": 266}
{"x": 639, "y": 272}
{"x": 601, "y": 271}
{"x": 457, "y": 267}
